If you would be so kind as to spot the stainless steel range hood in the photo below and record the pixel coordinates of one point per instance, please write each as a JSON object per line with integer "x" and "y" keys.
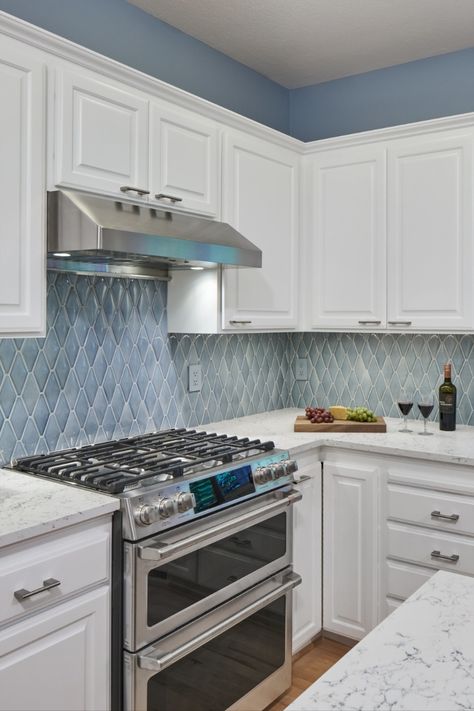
{"x": 91, "y": 234}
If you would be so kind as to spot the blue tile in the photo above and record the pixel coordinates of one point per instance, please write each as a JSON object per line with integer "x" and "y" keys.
{"x": 18, "y": 373}
{"x": 7, "y": 396}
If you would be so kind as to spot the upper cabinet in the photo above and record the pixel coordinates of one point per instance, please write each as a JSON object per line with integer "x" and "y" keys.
{"x": 114, "y": 139}
{"x": 260, "y": 199}
{"x": 346, "y": 257}
{"x": 430, "y": 232}
{"x": 22, "y": 190}
{"x": 390, "y": 234}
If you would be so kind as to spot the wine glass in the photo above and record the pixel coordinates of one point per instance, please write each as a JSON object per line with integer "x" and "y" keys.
{"x": 405, "y": 404}
{"x": 425, "y": 406}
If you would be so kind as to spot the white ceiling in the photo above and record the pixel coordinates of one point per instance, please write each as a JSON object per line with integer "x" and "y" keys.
{"x": 301, "y": 42}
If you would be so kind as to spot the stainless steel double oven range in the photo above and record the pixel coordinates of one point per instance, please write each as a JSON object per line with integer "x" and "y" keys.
{"x": 205, "y": 557}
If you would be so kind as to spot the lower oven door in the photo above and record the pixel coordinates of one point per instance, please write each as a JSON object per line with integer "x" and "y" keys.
{"x": 172, "y": 578}
{"x": 237, "y": 656}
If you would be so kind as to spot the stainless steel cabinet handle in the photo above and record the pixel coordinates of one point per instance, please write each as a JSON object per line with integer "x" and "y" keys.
{"x": 147, "y": 551}
{"x": 451, "y": 558}
{"x": 164, "y": 196}
{"x": 159, "y": 662}
{"x": 445, "y": 517}
{"x": 370, "y": 323}
{"x": 239, "y": 323}
{"x": 130, "y": 189}
{"x": 48, "y": 584}
{"x": 399, "y": 323}
{"x": 302, "y": 479}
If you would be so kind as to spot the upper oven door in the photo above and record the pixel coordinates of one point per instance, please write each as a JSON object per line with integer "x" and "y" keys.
{"x": 174, "y": 577}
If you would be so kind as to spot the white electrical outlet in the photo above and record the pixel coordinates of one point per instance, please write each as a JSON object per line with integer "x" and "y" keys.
{"x": 194, "y": 378}
{"x": 301, "y": 369}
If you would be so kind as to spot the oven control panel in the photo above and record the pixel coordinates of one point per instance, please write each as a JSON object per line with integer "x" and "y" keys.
{"x": 185, "y": 499}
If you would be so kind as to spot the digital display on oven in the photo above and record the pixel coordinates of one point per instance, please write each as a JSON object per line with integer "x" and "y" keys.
{"x": 222, "y": 488}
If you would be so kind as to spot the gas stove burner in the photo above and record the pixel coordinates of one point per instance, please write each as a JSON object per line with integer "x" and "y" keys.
{"x": 144, "y": 460}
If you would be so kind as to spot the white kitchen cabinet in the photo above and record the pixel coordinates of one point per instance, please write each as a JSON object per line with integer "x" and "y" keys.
{"x": 307, "y": 524}
{"x": 55, "y": 652}
{"x": 430, "y": 231}
{"x": 58, "y": 660}
{"x": 22, "y": 190}
{"x": 350, "y": 550}
{"x": 345, "y": 269}
{"x": 101, "y": 133}
{"x": 184, "y": 155}
{"x": 260, "y": 199}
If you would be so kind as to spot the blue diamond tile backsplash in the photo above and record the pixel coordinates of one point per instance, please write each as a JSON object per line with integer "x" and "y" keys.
{"x": 108, "y": 368}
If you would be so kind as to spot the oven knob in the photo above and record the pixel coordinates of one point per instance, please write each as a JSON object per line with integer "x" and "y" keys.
{"x": 262, "y": 475}
{"x": 291, "y": 466}
{"x": 279, "y": 471}
{"x": 166, "y": 507}
{"x": 185, "y": 501}
{"x": 146, "y": 515}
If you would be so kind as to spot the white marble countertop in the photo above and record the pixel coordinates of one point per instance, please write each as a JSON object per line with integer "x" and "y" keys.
{"x": 31, "y": 506}
{"x": 421, "y": 657}
{"x": 455, "y": 447}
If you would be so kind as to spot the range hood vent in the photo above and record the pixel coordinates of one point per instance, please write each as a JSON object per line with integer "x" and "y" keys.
{"x": 91, "y": 234}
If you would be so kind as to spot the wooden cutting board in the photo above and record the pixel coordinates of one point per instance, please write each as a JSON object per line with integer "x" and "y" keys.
{"x": 304, "y": 425}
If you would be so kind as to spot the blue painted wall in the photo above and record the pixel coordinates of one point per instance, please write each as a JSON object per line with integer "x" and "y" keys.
{"x": 121, "y": 31}
{"x": 415, "y": 91}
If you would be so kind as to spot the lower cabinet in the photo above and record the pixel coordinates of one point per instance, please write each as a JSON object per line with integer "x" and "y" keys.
{"x": 58, "y": 660}
{"x": 307, "y": 554}
{"x": 350, "y": 545}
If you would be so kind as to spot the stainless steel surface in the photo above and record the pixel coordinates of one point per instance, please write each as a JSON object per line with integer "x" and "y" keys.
{"x": 370, "y": 323}
{"x": 239, "y": 323}
{"x": 122, "y": 237}
{"x": 150, "y": 551}
{"x": 172, "y": 198}
{"x": 302, "y": 479}
{"x": 159, "y": 659}
{"x": 129, "y": 189}
{"x": 445, "y": 517}
{"x": 48, "y": 584}
{"x": 450, "y": 558}
{"x": 399, "y": 323}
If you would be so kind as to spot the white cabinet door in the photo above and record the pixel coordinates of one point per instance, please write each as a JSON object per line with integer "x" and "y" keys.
{"x": 260, "y": 199}
{"x": 58, "y": 660}
{"x": 101, "y": 134}
{"x": 345, "y": 274}
{"x": 430, "y": 253}
{"x": 184, "y": 160}
{"x": 350, "y": 551}
{"x": 22, "y": 190}
{"x": 307, "y": 557}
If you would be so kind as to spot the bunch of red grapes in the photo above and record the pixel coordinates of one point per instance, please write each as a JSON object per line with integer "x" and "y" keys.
{"x": 317, "y": 415}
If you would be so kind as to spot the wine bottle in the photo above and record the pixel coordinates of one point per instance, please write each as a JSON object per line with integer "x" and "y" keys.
{"x": 447, "y": 402}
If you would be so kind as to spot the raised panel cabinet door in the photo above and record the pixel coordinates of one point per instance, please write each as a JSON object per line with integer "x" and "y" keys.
{"x": 22, "y": 190}
{"x": 58, "y": 660}
{"x": 430, "y": 252}
{"x": 260, "y": 199}
{"x": 184, "y": 160}
{"x": 307, "y": 559}
{"x": 101, "y": 134}
{"x": 345, "y": 273}
{"x": 350, "y": 551}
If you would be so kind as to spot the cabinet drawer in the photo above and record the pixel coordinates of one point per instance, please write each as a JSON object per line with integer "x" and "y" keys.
{"x": 76, "y": 558}
{"x": 417, "y": 545}
{"x": 403, "y": 579}
{"x": 448, "y": 512}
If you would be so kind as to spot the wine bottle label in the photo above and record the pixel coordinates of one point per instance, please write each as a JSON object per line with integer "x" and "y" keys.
{"x": 448, "y": 403}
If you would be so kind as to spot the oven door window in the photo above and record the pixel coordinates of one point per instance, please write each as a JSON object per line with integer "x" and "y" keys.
{"x": 176, "y": 585}
{"x": 222, "y": 671}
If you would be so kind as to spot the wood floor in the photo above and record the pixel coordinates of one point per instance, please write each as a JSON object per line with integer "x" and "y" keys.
{"x": 308, "y": 667}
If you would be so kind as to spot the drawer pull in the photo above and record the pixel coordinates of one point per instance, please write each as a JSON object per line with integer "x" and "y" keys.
{"x": 48, "y": 584}
{"x": 451, "y": 558}
{"x": 130, "y": 189}
{"x": 370, "y": 323}
{"x": 445, "y": 517}
{"x": 399, "y": 323}
{"x": 234, "y": 322}
{"x": 165, "y": 196}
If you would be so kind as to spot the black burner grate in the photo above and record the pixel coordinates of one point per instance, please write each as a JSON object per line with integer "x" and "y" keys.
{"x": 123, "y": 464}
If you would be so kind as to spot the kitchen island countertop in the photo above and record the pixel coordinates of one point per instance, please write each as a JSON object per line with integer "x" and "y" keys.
{"x": 421, "y": 657}
{"x": 31, "y": 506}
{"x": 454, "y": 447}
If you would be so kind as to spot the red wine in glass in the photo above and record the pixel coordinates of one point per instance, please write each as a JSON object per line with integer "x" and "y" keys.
{"x": 405, "y": 406}
{"x": 426, "y": 408}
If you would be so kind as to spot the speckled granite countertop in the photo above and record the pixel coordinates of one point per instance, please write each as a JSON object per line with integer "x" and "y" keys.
{"x": 421, "y": 657}
{"x": 30, "y": 506}
{"x": 455, "y": 447}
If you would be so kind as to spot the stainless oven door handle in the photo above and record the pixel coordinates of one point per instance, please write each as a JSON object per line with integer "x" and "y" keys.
{"x": 148, "y": 552}
{"x": 157, "y": 662}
